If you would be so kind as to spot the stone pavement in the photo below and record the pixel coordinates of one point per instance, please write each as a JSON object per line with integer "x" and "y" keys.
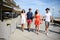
{"x": 53, "y": 34}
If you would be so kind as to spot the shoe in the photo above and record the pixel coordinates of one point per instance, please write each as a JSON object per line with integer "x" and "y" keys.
{"x": 37, "y": 33}
{"x": 22, "y": 30}
{"x": 47, "y": 34}
{"x": 29, "y": 30}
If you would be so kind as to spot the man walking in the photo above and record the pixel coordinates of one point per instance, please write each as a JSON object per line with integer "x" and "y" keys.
{"x": 48, "y": 17}
{"x": 29, "y": 18}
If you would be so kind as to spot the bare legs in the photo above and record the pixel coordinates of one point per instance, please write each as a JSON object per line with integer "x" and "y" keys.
{"x": 46, "y": 29}
{"x": 22, "y": 27}
{"x": 37, "y": 28}
{"x": 28, "y": 27}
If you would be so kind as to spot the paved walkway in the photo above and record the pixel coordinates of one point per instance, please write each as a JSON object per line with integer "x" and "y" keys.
{"x": 53, "y": 34}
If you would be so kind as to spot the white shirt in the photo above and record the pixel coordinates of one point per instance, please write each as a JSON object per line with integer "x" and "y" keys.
{"x": 47, "y": 17}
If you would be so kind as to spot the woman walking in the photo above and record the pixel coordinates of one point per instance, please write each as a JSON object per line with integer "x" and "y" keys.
{"x": 23, "y": 19}
{"x": 37, "y": 20}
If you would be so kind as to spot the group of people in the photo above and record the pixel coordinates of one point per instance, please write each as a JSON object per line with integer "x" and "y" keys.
{"x": 38, "y": 19}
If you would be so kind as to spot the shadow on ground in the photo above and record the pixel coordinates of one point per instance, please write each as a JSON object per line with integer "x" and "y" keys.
{"x": 2, "y": 39}
{"x": 31, "y": 30}
{"x": 54, "y": 25}
{"x": 54, "y": 31}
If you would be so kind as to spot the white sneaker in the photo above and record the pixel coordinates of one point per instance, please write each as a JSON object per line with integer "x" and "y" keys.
{"x": 46, "y": 33}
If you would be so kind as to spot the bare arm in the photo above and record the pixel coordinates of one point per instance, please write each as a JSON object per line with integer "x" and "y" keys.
{"x": 44, "y": 18}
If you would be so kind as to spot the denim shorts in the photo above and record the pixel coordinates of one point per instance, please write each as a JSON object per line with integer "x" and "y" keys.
{"x": 46, "y": 23}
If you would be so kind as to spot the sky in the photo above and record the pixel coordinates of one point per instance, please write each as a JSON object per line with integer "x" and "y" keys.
{"x": 41, "y": 5}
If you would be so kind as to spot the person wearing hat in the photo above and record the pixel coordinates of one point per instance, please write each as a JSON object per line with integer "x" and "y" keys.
{"x": 29, "y": 18}
{"x": 48, "y": 17}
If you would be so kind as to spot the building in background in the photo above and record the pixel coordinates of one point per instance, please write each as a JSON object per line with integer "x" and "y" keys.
{"x": 9, "y": 13}
{"x": 8, "y": 9}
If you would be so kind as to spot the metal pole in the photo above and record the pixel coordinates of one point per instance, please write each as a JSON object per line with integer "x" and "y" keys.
{"x": 1, "y": 10}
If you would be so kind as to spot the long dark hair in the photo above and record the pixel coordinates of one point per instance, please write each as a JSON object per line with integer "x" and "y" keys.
{"x": 23, "y": 11}
{"x": 36, "y": 12}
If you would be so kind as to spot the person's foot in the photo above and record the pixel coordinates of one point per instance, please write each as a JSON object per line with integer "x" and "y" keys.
{"x": 29, "y": 30}
{"x": 46, "y": 33}
{"x": 37, "y": 33}
{"x": 22, "y": 30}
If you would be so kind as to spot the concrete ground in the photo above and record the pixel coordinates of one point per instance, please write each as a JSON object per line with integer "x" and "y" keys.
{"x": 53, "y": 34}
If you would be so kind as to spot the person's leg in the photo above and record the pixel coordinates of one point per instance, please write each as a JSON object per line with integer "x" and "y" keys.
{"x": 27, "y": 24}
{"x": 22, "y": 27}
{"x": 30, "y": 21}
{"x": 36, "y": 28}
{"x": 29, "y": 27}
{"x": 47, "y": 26}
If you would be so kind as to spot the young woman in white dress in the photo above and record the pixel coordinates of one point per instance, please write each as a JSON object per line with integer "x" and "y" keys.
{"x": 23, "y": 19}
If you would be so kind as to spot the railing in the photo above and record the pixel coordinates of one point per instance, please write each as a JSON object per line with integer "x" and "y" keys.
{"x": 9, "y": 1}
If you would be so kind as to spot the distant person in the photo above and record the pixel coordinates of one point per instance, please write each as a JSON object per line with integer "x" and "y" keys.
{"x": 23, "y": 19}
{"x": 37, "y": 21}
{"x": 29, "y": 18}
{"x": 48, "y": 17}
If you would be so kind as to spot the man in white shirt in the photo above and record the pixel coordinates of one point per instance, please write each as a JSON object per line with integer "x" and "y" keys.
{"x": 48, "y": 17}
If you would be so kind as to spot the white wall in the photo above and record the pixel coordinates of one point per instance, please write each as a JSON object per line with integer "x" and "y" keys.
{"x": 6, "y": 31}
